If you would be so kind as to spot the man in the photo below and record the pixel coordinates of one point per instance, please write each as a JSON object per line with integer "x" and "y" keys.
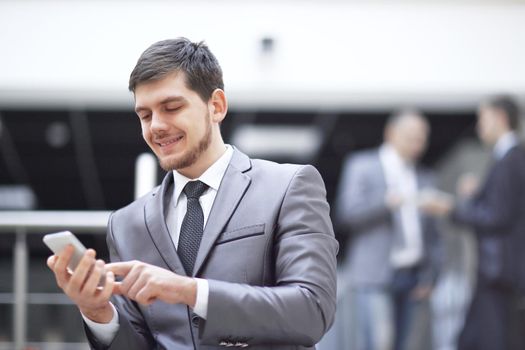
{"x": 393, "y": 255}
{"x": 496, "y": 212}
{"x": 228, "y": 252}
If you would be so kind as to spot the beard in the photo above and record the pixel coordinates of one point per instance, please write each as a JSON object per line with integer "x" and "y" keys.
{"x": 192, "y": 155}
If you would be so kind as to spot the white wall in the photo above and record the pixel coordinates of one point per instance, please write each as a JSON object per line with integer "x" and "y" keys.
{"x": 328, "y": 54}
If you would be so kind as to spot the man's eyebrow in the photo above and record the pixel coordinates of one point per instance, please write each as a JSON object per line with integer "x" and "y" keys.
{"x": 173, "y": 99}
{"x": 162, "y": 102}
{"x": 140, "y": 109}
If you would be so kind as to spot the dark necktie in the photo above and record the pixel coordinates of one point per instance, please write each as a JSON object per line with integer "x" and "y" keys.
{"x": 192, "y": 226}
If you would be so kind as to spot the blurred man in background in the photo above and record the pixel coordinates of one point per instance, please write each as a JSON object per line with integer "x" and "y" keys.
{"x": 496, "y": 212}
{"x": 395, "y": 251}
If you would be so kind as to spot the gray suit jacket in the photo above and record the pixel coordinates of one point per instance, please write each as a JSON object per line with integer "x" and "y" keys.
{"x": 268, "y": 251}
{"x": 361, "y": 210}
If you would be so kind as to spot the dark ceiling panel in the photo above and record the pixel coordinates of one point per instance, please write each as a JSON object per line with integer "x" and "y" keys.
{"x": 52, "y": 167}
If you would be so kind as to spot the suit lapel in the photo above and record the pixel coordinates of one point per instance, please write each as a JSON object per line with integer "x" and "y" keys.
{"x": 488, "y": 179}
{"x": 423, "y": 182}
{"x": 233, "y": 186}
{"x": 154, "y": 213}
{"x": 381, "y": 172}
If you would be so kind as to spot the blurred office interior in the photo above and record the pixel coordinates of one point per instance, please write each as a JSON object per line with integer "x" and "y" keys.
{"x": 307, "y": 82}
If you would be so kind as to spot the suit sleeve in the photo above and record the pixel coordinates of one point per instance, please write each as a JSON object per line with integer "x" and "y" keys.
{"x": 494, "y": 209}
{"x": 359, "y": 205}
{"x": 434, "y": 253}
{"x": 133, "y": 332}
{"x": 300, "y": 307}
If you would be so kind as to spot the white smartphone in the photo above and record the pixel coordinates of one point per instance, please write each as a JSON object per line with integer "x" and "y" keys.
{"x": 60, "y": 240}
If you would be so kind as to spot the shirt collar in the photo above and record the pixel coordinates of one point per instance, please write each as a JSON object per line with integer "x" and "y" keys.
{"x": 505, "y": 143}
{"x": 390, "y": 155}
{"x": 211, "y": 177}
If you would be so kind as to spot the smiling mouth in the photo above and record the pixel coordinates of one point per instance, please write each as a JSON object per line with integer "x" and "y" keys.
{"x": 165, "y": 143}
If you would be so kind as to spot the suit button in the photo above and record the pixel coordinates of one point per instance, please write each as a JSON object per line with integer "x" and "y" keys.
{"x": 195, "y": 320}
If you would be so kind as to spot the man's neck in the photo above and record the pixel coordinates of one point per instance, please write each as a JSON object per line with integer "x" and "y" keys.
{"x": 505, "y": 142}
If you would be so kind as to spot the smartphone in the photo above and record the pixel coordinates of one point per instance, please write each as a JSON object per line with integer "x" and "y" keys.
{"x": 60, "y": 240}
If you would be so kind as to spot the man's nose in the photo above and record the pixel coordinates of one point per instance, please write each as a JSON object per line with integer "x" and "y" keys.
{"x": 158, "y": 123}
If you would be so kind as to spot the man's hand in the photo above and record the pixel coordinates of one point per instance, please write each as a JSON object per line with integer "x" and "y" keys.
{"x": 467, "y": 185}
{"x": 81, "y": 285}
{"x": 146, "y": 283}
{"x": 436, "y": 203}
{"x": 421, "y": 293}
{"x": 393, "y": 200}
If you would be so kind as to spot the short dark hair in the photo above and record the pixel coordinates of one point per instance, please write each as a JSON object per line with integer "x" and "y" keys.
{"x": 202, "y": 70}
{"x": 507, "y": 105}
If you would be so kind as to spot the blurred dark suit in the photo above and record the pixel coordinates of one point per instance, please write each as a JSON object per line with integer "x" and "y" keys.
{"x": 497, "y": 214}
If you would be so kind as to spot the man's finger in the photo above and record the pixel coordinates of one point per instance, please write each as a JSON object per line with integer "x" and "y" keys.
{"x": 116, "y": 288}
{"x": 135, "y": 286}
{"x": 51, "y": 262}
{"x": 90, "y": 285}
{"x": 105, "y": 292}
{"x": 83, "y": 269}
{"x": 120, "y": 268}
{"x": 63, "y": 257}
{"x": 145, "y": 297}
{"x": 61, "y": 262}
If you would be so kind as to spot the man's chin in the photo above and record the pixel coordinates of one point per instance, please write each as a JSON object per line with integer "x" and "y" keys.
{"x": 175, "y": 163}
{"x": 167, "y": 162}
{"x": 169, "y": 165}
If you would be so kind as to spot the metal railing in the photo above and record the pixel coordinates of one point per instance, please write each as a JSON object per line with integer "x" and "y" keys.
{"x": 23, "y": 223}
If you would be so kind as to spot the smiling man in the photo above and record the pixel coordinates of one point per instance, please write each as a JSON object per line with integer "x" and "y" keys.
{"x": 227, "y": 252}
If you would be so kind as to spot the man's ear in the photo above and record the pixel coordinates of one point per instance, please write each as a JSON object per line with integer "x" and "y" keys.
{"x": 218, "y": 105}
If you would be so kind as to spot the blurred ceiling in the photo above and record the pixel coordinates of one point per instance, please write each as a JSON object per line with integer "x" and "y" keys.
{"x": 288, "y": 54}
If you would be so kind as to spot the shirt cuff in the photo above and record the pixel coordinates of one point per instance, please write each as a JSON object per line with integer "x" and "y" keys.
{"x": 201, "y": 304}
{"x": 104, "y": 332}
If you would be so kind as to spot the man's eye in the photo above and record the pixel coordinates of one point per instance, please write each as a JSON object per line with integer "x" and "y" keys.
{"x": 144, "y": 117}
{"x": 172, "y": 109}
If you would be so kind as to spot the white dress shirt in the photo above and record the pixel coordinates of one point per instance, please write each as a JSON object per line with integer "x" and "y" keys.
{"x": 105, "y": 332}
{"x": 504, "y": 144}
{"x": 401, "y": 179}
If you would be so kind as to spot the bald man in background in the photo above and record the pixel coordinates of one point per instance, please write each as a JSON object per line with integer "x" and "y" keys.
{"x": 394, "y": 253}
